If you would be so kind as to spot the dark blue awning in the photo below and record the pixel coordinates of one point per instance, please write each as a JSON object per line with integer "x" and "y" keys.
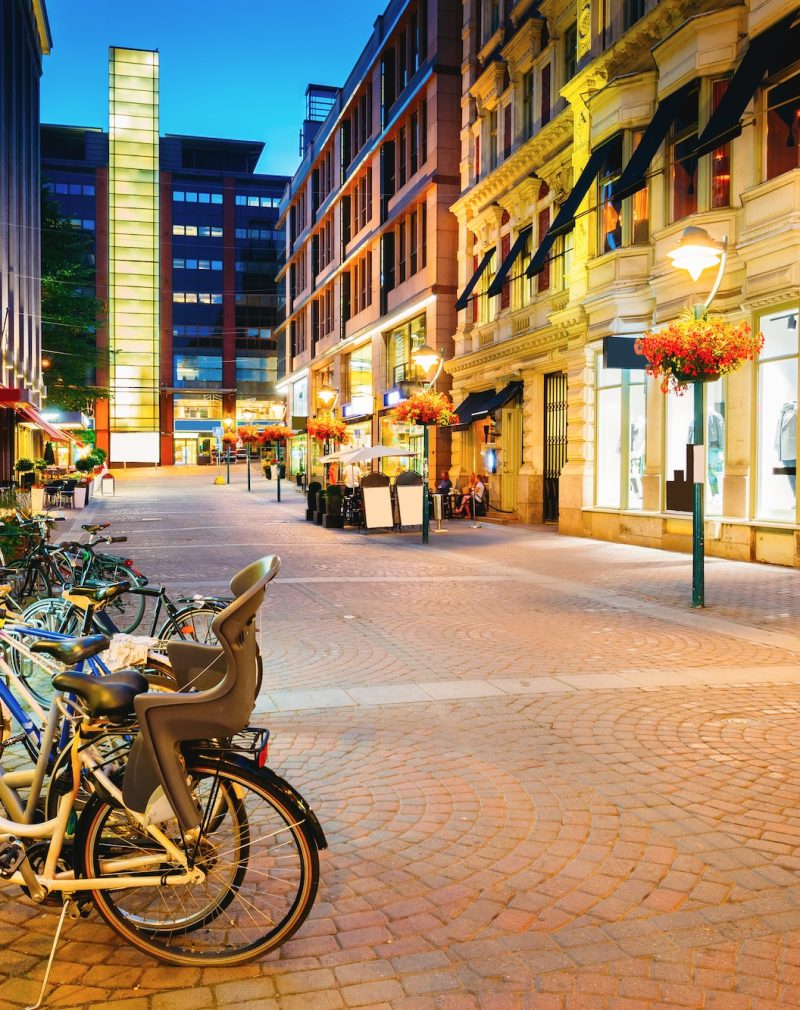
{"x": 473, "y": 408}
{"x": 565, "y": 219}
{"x": 506, "y": 393}
{"x": 768, "y": 53}
{"x": 634, "y": 176}
{"x": 505, "y": 267}
{"x": 463, "y": 298}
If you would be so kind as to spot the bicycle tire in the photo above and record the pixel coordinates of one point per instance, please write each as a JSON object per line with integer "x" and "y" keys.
{"x": 35, "y": 585}
{"x": 192, "y": 624}
{"x": 50, "y": 615}
{"x": 260, "y": 860}
{"x": 127, "y": 610}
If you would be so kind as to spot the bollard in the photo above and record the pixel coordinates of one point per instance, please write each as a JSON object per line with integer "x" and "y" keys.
{"x": 438, "y": 510}
{"x": 474, "y": 525}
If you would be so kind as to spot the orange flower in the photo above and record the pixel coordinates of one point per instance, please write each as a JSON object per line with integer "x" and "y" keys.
{"x": 324, "y": 429}
{"x": 428, "y": 407}
{"x": 275, "y": 433}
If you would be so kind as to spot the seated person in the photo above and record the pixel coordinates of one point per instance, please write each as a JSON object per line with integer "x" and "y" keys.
{"x": 476, "y": 489}
{"x": 445, "y": 484}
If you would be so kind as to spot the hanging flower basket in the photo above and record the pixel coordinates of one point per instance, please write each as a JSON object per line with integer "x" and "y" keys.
{"x": 429, "y": 407}
{"x": 230, "y": 438}
{"x": 697, "y": 350}
{"x": 276, "y": 433}
{"x": 249, "y": 434}
{"x": 324, "y": 429}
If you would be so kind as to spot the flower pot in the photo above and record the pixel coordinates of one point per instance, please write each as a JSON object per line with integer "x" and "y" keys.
{"x": 699, "y": 377}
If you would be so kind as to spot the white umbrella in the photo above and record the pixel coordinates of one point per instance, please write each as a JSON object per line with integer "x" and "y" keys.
{"x": 342, "y": 456}
{"x": 376, "y": 452}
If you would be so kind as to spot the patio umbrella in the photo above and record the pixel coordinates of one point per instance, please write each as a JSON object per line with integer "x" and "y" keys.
{"x": 342, "y": 456}
{"x": 376, "y": 452}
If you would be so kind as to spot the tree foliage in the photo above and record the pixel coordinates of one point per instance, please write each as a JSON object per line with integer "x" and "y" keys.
{"x": 70, "y": 312}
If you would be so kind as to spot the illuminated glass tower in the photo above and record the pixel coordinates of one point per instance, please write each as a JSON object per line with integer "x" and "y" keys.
{"x": 133, "y": 263}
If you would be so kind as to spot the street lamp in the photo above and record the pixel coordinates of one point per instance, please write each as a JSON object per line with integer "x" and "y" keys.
{"x": 277, "y": 412}
{"x": 248, "y": 416}
{"x": 227, "y": 424}
{"x": 426, "y": 358}
{"x": 327, "y": 396}
{"x": 697, "y": 251}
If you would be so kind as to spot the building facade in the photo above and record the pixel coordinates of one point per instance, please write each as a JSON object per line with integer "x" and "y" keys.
{"x": 24, "y": 39}
{"x": 592, "y": 136}
{"x": 187, "y": 249}
{"x": 370, "y": 270}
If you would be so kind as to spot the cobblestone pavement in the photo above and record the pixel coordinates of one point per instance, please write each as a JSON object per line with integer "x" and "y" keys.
{"x": 546, "y": 783}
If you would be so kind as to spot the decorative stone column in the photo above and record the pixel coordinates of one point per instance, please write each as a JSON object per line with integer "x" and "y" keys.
{"x": 577, "y": 476}
{"x": 530, "y": 482}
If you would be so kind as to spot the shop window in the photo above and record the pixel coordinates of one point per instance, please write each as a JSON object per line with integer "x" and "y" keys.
{"x": 621, "y": 222}
{"x": 682, "y": 160}
{"x": 777, "y": 417}
{"x": 783, "y": 127}
{"x": 620, "y": 428}
{"x": 680, "y": 434}
{"x": 359, "y": 373}
{"x": 401, "y": 343}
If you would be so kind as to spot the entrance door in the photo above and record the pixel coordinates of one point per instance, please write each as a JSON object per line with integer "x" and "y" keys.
{"x": 511, "y": 456}
{"x": 555, "y": 440}
{"x": 185, "y": 452}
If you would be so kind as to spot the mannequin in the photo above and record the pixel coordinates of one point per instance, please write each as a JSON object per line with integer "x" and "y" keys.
{"x": 637, "y": 454}
{"x": 715, "y": 447}
{"x": 786, "y": 439}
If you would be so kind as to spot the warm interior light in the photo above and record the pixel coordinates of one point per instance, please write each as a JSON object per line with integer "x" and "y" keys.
{"x": 696, "y": 252}
{"x": 248, "y": 414}
{"x": 327, "y": 394}
{"x": 277, "y": 411}
{"x": 426, "y": 357}
{"x": 227, "y": 422}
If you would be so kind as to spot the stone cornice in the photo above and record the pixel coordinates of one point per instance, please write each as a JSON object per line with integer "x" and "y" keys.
{"x": 524, "y": 45}
{"x": 489, "y": 86}
{"x": 533, "y": 153}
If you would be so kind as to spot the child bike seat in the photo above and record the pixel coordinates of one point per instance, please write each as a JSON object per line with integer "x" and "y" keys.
{"x": 217, "y": 712}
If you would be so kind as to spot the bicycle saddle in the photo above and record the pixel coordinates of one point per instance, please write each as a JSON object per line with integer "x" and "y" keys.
{"x": 110, "y": 696}
{"x": 98, "y": 592}
{"x": 216, "y": 712}
{"x": 71, "y": 650}
{"x": 95, "y": 527}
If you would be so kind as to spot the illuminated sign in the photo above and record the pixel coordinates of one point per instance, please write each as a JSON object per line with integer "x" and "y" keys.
{"x": 392, "y": 397}
{"x": 358, "y": 407}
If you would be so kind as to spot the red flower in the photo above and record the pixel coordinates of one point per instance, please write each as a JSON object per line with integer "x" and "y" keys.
{"x": 249, "y": 434}
{"x": 428, "y": 407}
{"x": 275, "y": 433}
{"x": 690, "y": 348}
{"x": 324, "y": 429}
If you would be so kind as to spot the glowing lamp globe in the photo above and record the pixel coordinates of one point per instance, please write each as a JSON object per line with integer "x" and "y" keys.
{"x": 696, "y": 252}
{"x": 426, "y": 357}
{"x": 327, "y": 394}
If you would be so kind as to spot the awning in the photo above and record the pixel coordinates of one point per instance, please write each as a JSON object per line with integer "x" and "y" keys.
{"x": 463, "y": 298}
{"x": 565, "y": 219}
{"x": 507, "y": 393}
{"x": 473, "y": 408}
{"x": 32, "y": 414}
{"x": 505, "y": 267}
{"x": 768, "y": 53}
{"x": 634, "y": 177}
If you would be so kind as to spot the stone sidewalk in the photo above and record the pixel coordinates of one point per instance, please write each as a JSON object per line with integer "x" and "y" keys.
{"x": 546, "y": 782}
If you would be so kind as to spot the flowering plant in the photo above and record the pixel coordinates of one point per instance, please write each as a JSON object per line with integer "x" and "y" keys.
{"x": 230, "y": 438}
{"x": 428, "y": 407}
{"x": 248, "y": 434}
{"x": 690, "y": 349}
{"x": 276, "y": 433}
{"x": 328, "y": 428}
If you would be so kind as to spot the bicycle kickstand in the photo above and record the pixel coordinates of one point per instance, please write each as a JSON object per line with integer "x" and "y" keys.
{"x": 40, "y": 1001}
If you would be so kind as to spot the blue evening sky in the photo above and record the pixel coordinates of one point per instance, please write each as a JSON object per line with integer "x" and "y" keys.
{"x": 236, "y": 69}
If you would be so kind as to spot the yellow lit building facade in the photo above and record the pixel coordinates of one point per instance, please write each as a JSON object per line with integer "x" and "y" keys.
{"x": 133, "y": 261}
{"x": 592, "y": 136}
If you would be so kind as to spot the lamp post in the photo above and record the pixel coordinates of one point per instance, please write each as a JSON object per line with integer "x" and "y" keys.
{"x": 426, "y": 358}
{"x": 248, "y": 415}
{"x": 277, "y": 412}
{"x": 227, "y": 424}
{"x": 697, "y": 251}
{"x": 328, "y": 396}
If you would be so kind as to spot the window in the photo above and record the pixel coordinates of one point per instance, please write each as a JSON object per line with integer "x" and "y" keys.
{"x": 783, "y": 135}
{"x": 505, "y": 291}
{"x": 252, "y": 200}
{"x": 195, "y": 298}
{"x": 401, "y": 251}
{"x": 621, "y": 222}
{"x": 507, "y": 131}
{"x": 88, "y": 190}
{"x": 493, "y": 21}
{"x": 721, "y": 156}
{"x": 198, "y": 369}
{"x": 570, "y": 51}
{"x": 414, "y": 145}
{"x": 401, "y": 343}
{"x": 179, "y": 196}
{"x": 682, "y": 161}
{"x": 359, "y": 373}
{"x": 680, "y": 434}
{"x": 777, "y": 416}
{"x": 633, "y": 11}
{"x": 545, "y": 95}
{"x": 493, "y": 139}
{"x": 620, "y": 429}
{"x": 261, "y": 370}
{"x": 401, "y": 156}
{"x": 543, "y": 279}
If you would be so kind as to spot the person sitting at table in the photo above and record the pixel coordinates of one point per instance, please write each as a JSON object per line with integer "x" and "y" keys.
{"x": 351, "y": 474}
{"x": 475, "y": 489}
{"x": 445, "y": 484}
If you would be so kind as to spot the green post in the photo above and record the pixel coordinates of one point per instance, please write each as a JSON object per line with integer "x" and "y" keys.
{"x": 228, "y": 460}
{"x": 278, "y": 454}
{"x": 698, "y": 532}
{"x": 425, "y": 516}
{"x": 248, "y": 467}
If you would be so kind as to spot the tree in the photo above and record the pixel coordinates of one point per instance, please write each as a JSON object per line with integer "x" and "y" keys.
{"x": 70, "y": 312}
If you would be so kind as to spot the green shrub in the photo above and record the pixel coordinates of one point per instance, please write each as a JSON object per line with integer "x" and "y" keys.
{"x": 24, "y": 465}
{"x": 85, "y": 464}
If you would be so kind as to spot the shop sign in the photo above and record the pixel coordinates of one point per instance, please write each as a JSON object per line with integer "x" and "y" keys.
{"x": 358, "y": 407}
{"x": 393, "y": 396}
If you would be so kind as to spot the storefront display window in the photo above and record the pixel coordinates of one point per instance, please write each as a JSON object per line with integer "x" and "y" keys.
{"x": 407, "y": 437}
{"x": 680, "y": 433}
{"x": 401, "y": 343}
{"x": 197, "y": 408}
{"x": 620, "y": 410}
{"x": 777, "y": 414}
{"x": 298, "y": 448}
{"x": 360, "y": 435}
{"x": 359, "y": 374}
{"x": 300, "y": 398}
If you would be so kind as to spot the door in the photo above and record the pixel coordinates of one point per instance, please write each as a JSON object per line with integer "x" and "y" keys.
{"x": 555, "y": 440}
{"x": 185, "y": 451}
{"x": 511, "y": 456}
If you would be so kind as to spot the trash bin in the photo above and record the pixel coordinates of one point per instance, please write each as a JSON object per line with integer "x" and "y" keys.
{"x": 438, "y": 507}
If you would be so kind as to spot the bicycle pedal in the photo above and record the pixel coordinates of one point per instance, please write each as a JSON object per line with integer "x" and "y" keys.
{"x": 12, "y": 855}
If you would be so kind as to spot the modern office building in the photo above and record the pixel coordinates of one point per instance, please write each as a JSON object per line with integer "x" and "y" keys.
{"x": 24, "y": 39}
{"x": 187, "y": 249}
{"x": 592, "y": 136}
{"x": 370, "y": 268}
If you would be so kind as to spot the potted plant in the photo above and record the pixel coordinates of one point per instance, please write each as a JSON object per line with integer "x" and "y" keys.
{"x": 427, "y": 407}
{"x": 697, "y": 350}
{"x": 84, "y": 466}
{"x": 24, "y": 468}
{"x": 328, "y": 429}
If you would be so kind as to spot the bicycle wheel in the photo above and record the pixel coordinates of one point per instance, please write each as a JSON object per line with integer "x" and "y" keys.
{"x": 192, "y": 624}
{"x": 50, "y": 615}
{"x": 125, "y": 611}
{"x": 34, "y": 584}
{"x": 259, "y": 861}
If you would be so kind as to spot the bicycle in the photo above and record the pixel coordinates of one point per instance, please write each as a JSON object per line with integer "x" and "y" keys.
{"x": 163, "y": 854}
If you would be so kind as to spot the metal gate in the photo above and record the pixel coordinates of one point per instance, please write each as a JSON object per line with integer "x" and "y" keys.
{"x": 555, "y": 440}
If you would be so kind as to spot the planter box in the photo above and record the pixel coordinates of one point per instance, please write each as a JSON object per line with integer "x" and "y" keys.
{"x": 79, "y": 498}
{"x": 37, "y": 500}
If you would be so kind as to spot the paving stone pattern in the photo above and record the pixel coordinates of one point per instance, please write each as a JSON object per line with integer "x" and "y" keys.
{"x": 546, "y": 784}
